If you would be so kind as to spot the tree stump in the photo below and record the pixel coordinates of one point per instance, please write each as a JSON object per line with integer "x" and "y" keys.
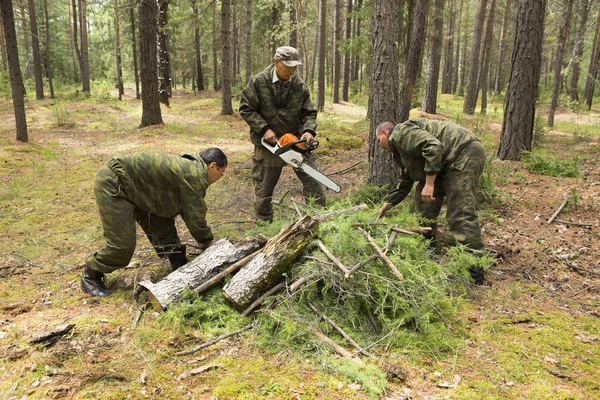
{"x": 208, "y": 264}
{"x": 268, "y": 267}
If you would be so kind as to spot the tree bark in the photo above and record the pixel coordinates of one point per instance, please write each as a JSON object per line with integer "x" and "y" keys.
{"x": 85, "y": 65}
{"x": 198, "y": 74}
{"x": 134, "y": 51}
{"x": 434, "y": 58}
{"x": 337, "y": 59}
{"x": 383, "y": 89}
{"x": 415, "y": 51}
{"x": 498, "y": 80}
{"x": 485, "y": 60}
{"x": 48, "y": 53}
{"x": 590, "y": 82}
{"x": 235, "y": 53}
{"x": 226, "y": 106}
{"x": 151, "y": 113}
{"x": 472, "y": 91}
{"x": 584, "y": 10}
{"x": 118, "y": 51}
{"x": 37, "y": 59}
{"x": 322, "y": 29}
{"x": 348, "y": 36}
{"x": 25, "y": 39}
{"x": 268, "y": 267}
{"x": 216, "y": 85}
{"x": 356, "y": 63}
{"x": 522, "y": 93}
{"x": 561, "y": 46}
{"x": 293, "y": 25}
{"x": 164, "y": 59}
{"x": 249, "y": 40}
{"x": 447, "y": 71}
{"x": 213, "y": 260}
{"x": 14, "y": 69}
{"x": 3, "y": 47}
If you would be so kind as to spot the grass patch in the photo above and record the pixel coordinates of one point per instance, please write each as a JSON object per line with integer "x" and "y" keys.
{"x": 542, "y": 163}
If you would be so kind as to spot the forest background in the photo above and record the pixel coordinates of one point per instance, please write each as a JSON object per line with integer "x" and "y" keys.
{"x": 534, "y": 333}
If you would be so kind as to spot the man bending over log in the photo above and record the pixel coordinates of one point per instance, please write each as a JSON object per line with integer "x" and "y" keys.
{"x": 446, "y": 160}
{"x": 150, "y": 189}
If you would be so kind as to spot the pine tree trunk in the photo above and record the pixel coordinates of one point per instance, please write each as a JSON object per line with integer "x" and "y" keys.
{"x": 151, "y": 113}
{"x": 234, "y": 44}
{"x": 226, "y": 106}
{"x": 415, "y": 51}
{"x": 561, "y": 46}
{"x": 322, "y": 29}
{"x": 383, "y": 85}
{"x": 25, "y": 39}
{"x": 485, "y": 60}
{"x": 85, "y": 66}
{"x": 249, "y": 40}
{"x": 293, "y": 26}
{"x": 584, "y": 10}
{"x": 118, "y": 52}
{"x": 198, "y": 74}
{"x": 348, "y": 36}
{"x": 216, "y": 85}
{"x": 37, "y": 59}
{"x": 213, "y": 260}
{"x": 48, "y": 53}
{"x": 434, "y": 58}
{"x": 356, "y": 64}
{"x": 164, "y": 60}
{"x": 498, "y": 80}
{"x": 269, "y": 266}
{"x": 135, "y": 57}
{"x": 337, "y": 59}
{"x": 590, "y": 82}
{"x": 522, "y": 93}
{"x": 472, "y": 91}
{"x": 461, "y": 46}
{"x": 14, "y": 69}
{"x": 3, "y": 47}
{"x": 447, "y": 71}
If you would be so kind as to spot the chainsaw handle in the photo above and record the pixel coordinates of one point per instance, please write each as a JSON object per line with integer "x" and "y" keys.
{"x": 309, "y": 147}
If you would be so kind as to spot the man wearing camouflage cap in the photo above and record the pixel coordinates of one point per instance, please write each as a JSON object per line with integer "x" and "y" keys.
{"x": 446, "y": 160}
{"x": 150, "y": 189}
{"x": 275, "y": 102}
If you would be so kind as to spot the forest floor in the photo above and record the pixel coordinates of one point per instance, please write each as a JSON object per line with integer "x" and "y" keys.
{"x": 532, "y": 332}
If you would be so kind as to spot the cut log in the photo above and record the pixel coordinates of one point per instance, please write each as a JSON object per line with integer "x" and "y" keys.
{"x": 204, "y": 267}
{"x": 268, "y": 267}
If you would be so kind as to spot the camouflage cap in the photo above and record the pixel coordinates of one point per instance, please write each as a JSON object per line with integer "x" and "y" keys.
{"x": 288, "y": 55}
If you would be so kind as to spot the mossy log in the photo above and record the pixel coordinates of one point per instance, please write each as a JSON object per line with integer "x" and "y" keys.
{"x": 268, "y": 267}
{"x": 208, "y": 264}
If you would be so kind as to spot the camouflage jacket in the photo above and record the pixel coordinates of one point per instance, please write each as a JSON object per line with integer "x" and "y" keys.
{"x": 284, "y": 107}
{"x": 425, "y": 147}
{"x": 166, "y": 185}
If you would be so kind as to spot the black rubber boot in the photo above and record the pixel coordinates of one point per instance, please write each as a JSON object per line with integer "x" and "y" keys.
{"x": 92, "y": 282}
{"x": 478, "y": 275}
{"x": 177, "y": 257}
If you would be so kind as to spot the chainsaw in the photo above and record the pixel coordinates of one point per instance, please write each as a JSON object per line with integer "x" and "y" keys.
{"x": 292, "y": 154}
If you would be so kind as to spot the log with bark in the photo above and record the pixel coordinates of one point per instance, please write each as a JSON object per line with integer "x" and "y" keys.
{"x": 213, "y": 260}
{"x": 269, "y": 266}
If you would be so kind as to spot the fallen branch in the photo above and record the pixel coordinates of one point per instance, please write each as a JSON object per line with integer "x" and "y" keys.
{"x": 337, "y": 262}
{"x": 229, "y": 270}
{"x": 361, "y": 264}
{"x": 336, "y": 347}
{"x": 564, "y": 203}
{"x": 299, "y": 282}
{"x": 50, "y": 337}
{"x": 199, "y": 370}
{"x": 381, "y": 254}
{"x": 578, "y": 268}
{"x": 262, "y": 298}
{"x": 213, "y": 341}
{"x": 340, "y": 330}
{"x": 560, "y": 221}
{"x": 340, "y": 172}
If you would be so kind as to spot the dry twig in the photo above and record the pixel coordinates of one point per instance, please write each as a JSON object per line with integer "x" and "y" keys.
{"x": 559, "y": 209}
{"x": 232, "y": 268}
{"x": 381, "y": 254}
{"x": 215, "y": 340}
{"x": 337, "y": 262}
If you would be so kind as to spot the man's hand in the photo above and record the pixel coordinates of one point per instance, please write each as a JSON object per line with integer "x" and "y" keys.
{"x": 270, "y": 137}
{"x": 308, "y": 136}
{"x": 384, "y": 208}
{"x": 427, "y": 192}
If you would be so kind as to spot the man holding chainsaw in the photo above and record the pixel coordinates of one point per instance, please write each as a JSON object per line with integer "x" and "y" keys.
{"x": 446, "y": 160}
{"x": 274, "y": 103}
{"x": 150, "y": 189}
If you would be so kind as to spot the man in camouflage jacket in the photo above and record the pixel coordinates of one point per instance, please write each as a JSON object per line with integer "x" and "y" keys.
{"x": 150, "y": 189}
{"x": 446, "y": 160}
{"x": 275, "y": 102}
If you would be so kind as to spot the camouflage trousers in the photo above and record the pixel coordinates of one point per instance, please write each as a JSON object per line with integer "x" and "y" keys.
{"x": 459, "y": 186}
{"x": 118, "y": 217}
{"x": 266, "y": 170}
